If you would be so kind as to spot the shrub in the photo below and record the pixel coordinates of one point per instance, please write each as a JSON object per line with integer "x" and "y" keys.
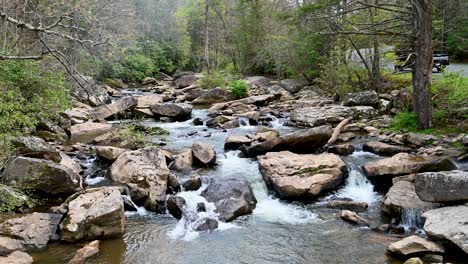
{"x": 212, "y": 80}
{"x": 240, "y": 89}
{"x": 450, "y": 96}
{"x": 404, "y": 121}
{"x": 136, "y": 67}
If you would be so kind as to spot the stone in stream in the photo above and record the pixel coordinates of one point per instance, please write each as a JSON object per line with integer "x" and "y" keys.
{"x": 232, "y": 198}
{"x": 206, "y": 224}
{"x": 197, "y": 122}
{"x": 191, "y": 95}
{"x": 414, "y": 245}
{"x": 85, "y": 253}
{"x": 448, "y": 224}
{"x": 183, "y": 161}
{"x": 185, "y": 80}
{"x": 329, "y": 114}
{"x": 348, "y": 205}
{"x": 86, "y": 132}
{"x": 178, "y": 112}
{"x": 366, "y": 98}
{"x": 146, "y": 101}
{"x": 98, "y": 213}
{"x": 34, "y": 147}
{"x": 414, "y": 261}
{"x": 234, "y": 142}
{"x": 67, "y": 161}
{"x": 443, "y": 186}
{"x": 173, "y": 184}
{"x": 149, "y": 81}
{"x": 381, "y": 148}
{"x": 85, "y": 90}
{"x": 16, "y": 257}
{"x": 216, "y": 95}
{"x": 175, "y": 206}
{"x": 146, "y": 174}
{"x": 117, "y": 108}
{"x": 192, "y": 184}
{"x": 266, "y": 135}
{"x": 293, "y": 86}
{"x": 342, "y": 149}
{"x": 204, "y": 153}
{"x": 354, "y": 218}
{"x": 302, "y": 177}
{"x": 109, "y": 153}
{"x": 44, "y": 176}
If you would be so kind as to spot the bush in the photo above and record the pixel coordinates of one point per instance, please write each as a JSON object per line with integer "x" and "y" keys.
{"x": 240, "y": 89}
{"x": 450, "y": 97}
{"x": 404, "y": 121}
{"x": 212, "y": 80}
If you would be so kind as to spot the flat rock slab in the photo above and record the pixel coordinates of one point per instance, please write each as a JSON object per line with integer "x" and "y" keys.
{"x": 443, "y": 186}
{"x": 414, "y": 245}
{"x": 329, "y": 114}
{"x": 118, "y": 107}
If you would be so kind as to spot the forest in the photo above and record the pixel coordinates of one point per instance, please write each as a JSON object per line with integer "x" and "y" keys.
{"x": 241, "y": 131}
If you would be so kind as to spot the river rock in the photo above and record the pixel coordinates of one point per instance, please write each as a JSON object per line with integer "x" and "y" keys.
{"x": 16, "y": 257}
{"x": 40, "y": 175}
{"x": 259, "y": 100}
{"x": 185, "y": 80}
{"x": 70, "y": 163}
{"x": 9, "y": 245}
{"x": 402, "y": 196}
{"x": 146, "y": 174}
{"x": 86, "y": 132}
{"x": 366, "y": 98}
{"x": 204, "y": 153}
{"x": 354, "y": 218}
{"x": 109, "y": 153}
{"x": 35, "y": 147}
{"x": 384, "y": 149}
{"x": 173, "y": 184}
{"x": 234, "y": 142}
{"x": 300, "y": 177}
{"x": 303, "y": 141}
{"x": 192, "y": 94}
{"x": 266, "y": 135}
{"x": 448, "y": 223}
{"x": 85, "y": 253}
{"x": 329, "y": 114}
{"x": 232, "y": 198}
{"x": 147, "y": 101}
{"x": 216, "y": 95}
{"x": 444, "y": 186}
{"x": 293, "y": 86}
{"x": 419, "y": 140}
{"x": 197, "y": 122}
{"x": 98, "y": 213}
{"x": 414, "y": 245}
{"x": 175, "y": 206}
{"x": 342, "y": 149}
{"x": 206, "y": 224}
{"x": 117, "y": 108}
{"x": 183, "y": 161}
{"x": 414, "y": 261}
{"x": 257, "y": 81}
{"x": 32, "y": 231}
{"x": 179, "y": 112}
{"x": 84, "y": 89}
{"x": 192, "y": 184}
{"x": 348, "y": 205}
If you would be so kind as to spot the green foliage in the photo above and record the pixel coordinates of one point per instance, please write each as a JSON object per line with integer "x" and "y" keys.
{"x": 450, "y": 97}
{"x": 240, "y": 89}
{"x": 213, "y": 79}
{"x": 135, "y": 136}
{"x": 136, "y": 67}
{"x": 404, "y": 121}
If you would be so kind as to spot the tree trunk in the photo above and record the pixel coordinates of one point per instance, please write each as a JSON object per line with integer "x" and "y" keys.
{"x": 376, "y": 77}
{"x": 422, "y": 69}
{"x": 207, "y": 40}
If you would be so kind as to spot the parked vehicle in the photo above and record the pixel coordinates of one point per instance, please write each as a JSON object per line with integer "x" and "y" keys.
{"x": 439, "y": 62}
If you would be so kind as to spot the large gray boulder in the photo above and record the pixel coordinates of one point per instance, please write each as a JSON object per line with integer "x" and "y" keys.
{"x": 257, "y": 81}
{"x": 12, "y": 200}
{"x": 98, "y": 213}
{"x": 385, "y": 149}
{"x": 35, "y": 147}
{"x": 44, "y": 176}
{"x": 329, "y": 114}
{"x": 85, "y": 90}
{"x": 234, "y": 142}
{"x": 179, "y": 112}
{"x": 448, "y": 223}
{"x": 301, "y": 177}
{"x": 414, "y": 245}
{"x": 147, "y": 101}
{"x": 146, "y": 174}
{"x": 86, "y": 132}
{"x": 204, "y": 153}
{"x": 232, "y": 198}
{"x": 109, "y": 153}
{"x": 216, "y": 95}
{"x": 117, "y": 108}
{"x": 185, "y": 80}
{"x": 293, "y": 86}
{"x": 17, "y": 257}
{"x": 183, "y": 161}
{"x": 443, "y": 186}
{"x": 367, "y": 98}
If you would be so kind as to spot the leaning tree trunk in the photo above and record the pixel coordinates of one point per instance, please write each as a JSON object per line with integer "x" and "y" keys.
{"x": 422, "y": 69}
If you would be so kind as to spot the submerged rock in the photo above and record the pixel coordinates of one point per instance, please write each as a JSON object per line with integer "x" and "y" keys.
{"x": 354, "y": 218}
{"x": 300, "y": 177}
{"x": 444, "y": 186}
{"x": 414, "y": 245}
{"x": 178, "y": 112}
{"x": 204, "y": 153}
{"x": 348, "y": 205}
{"x": 85, "y": 253}
{"x": 206, "y": 224}
{"x": 117, "y": 108}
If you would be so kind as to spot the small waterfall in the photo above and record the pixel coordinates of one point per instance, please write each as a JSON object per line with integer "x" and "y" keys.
{"x": 244, "y": 122}
{"x": 94, "y": 171}
{"x": 412, "y": 222}
{"x": 140, "y": 210}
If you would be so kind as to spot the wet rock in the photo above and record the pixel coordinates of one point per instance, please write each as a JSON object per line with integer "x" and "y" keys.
{"x": 117, "y": 108}
{"x": 185, "y": 80}
{"x": 35, "y": 147}
{"x": 32, "y": 231}
{"x": 444, "y": 186}
{"x": 175, "y": 206}
{"x": 236, "y": 141}
{"x": 85, "y": 253}
{"x": 354, "y": 218}
{"x": 197, "y": 122}
{"x": 414, "y": 245}
{"x": 367, "y": 98}
{"x": 179, "y": 112}
{"x": 147, "y": 101}
{"x": 231, "y": 124}
{"x": 232, "y": 198}
{"x": 86, "y": 91}
{"x": 204, "y": 153}
{"x": 17, "y": 257}
{"x": 206, "y": 224}
{"x": 414, "y": 261}
{"x": 216, "y": 95}
{"x": 348, "y": 205}
{"x": 86, "y": 132}
{"x": 98, "y": 213}
{"x": 384, "y": 149}
{"x": 192, "y": 184}
{"x": 293, "y": 86}
{"x": 9, "y": 245}
{"x": 300, "y": 177}
{"x": 402, "y": 196}
{"x": 109, "y": 153}
{"x": 329, "y": 114}
{"x": 267, "y": 135}
{"x": 201, "y": 207}
{"x": 448, "y": 223}
{"x": 342, "y": 149}
{"x": 183, "y": 161}
{"x": 145, "y": 172}
{"x": 44, "y": 176}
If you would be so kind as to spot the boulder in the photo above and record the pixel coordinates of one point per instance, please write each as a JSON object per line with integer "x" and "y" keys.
{"x": 257, "y": 81}
{"x": 414, "y": 261}
{"x": 301, "y": 177}
{"x": 419, "y": 140}
{"x": 175, "y": 206}
{"x": 414, "y": 245}
{"x": 232, "y": 198}
{"x": 9, "y": 245}
{"x": 192, "y": 184}
{"x": 197, "y": 122}
{"x": 17, "y": 257}
{"x": 204, "y": 153}
{"x": 86, "y": 132}
{"x": 35, "y": 147}
{"x": 116, "y": 108}
{"x": 183, "y": 161}
{"x": 53, "y": 129}
{"x": 293, "y": 86}
{"x": 342, "y": 149}
{"x": 329, "y": 114}
{"x": 259, "y": 100}
{"x": 44, "y": 176}
{"x": 178, "y": 112}
{"x": 12, "y": 200}
{"x": 444, "y": 186}
{"x": 402, "y": 196}
{"x": 384, "y": 149}
{"x": 149, "y": 81}
{"x": 367, "y": 98}
{"x": 98, "y": 213}
{"x": 185, "y": 80}
{"x": 146, "y": 174}
{"x": 68, "y": 162}
{"x": 173, "y": 184}
{"x": 147, "y": 101}
{"x": 267, "y": 135}
{"x": 348, "y": 205}
{"x": 32, "y": 231}
{"x": 109, "y": 153}
{"x": 85, "y": 90}
{"x": 206, "y": 224}
{"x": 354, "y": 218}
{"x": 192, "y": 94}
{"x": 79, "y": 115}
{"x": 303, "y": 141}
{"x": 85, "y": 253}
{"x": 448, "y": 223}
{"x": 216, "y": 95}
{"x": 234, "y": 142}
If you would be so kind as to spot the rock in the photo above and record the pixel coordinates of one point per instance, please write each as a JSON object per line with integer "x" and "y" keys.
{"x": 381, "y": 148}
{"x": 206, "y": 224}
{"x": 185, "y": 81}
{"x": 54, "y": 129}
{"x": 329, "y": 114}
{"x": 414, "y": 261}
{"x": 348, "y": 205}
{"x": 231, "y": 124}
{"x": 201, "y": 207}
{"x": 183, "y": 161}
{"x": 465, "y": 140}
{"x": 401, "y": 197}
{"x": 419, "y": 139}
{"x": 197, "y": 122}
{"x": 149, "y": 81}
{"x": 164, "y": 77}
{"x": 234, "y": 142}
{"x": 448, "y": 223}
{"x": 17, "y": 257}
{"x": 414, "y": 245}
{"x": 354, "y": 218}
{"x": 259, "y": 100}
{"x": 117, "y": 108}
{"x": 404, "y": 163}
{"x": 178, "y": 112}
{"x": 252, "y": 116}
{"x": 303, "y": 141}
{"x": 192, "y": 94}
{"x": 366, "y": 98}
{"x": 192, "y": 184}
{"x": 301, "y": 177}
{"x": 175, "y": 206}
{"x": 216, "y": 95}
{"x": 146, "y": 174}
{"x": 86, "y": 91}
{"x": 109, "y": 153}
{"x": 402, "y": 99}
{"x": 35, "y": 147}
{"x": 44, "y": 176}
{"x": 257, "y": 81}
{"x": 204, "y": 153}
{"x": 9, "y": 245}
{"x": 85, "y": 253}
{"x": 173, "y": 184}
{"x": 68, "y": 162}
{"x": 88, "y": 131}
{"x": 79, "y": 115}
{"x": 232, "y": 198}
{"x": 147, "y": 101}
{"x": 444, "y": 186}
{"x": 342, "y": 149}
{"x": 32, "y": 231}
{"x": 98, "y": 213}
{"x": 293, "y": 86}
{"x": 267, "y": 135}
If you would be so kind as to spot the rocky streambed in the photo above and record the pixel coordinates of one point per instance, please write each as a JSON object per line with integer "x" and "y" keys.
{"x": 264, "y": 179}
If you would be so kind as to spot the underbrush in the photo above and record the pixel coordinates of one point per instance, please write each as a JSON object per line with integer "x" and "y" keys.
{"x": 135, "y": 136}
